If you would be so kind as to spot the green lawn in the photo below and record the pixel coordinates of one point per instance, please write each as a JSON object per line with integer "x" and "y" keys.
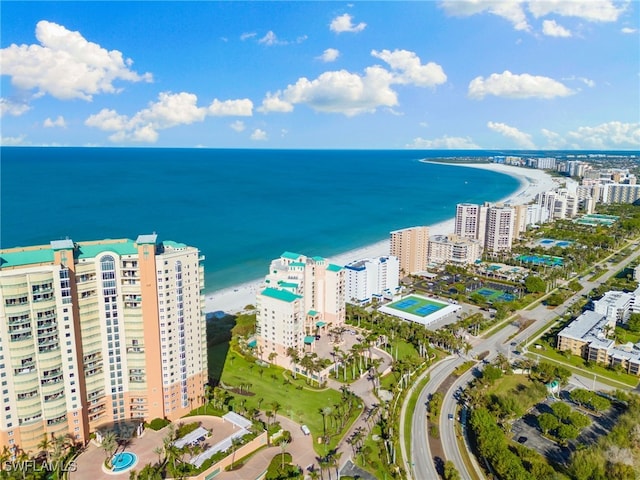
{"x": 267, "y": 385}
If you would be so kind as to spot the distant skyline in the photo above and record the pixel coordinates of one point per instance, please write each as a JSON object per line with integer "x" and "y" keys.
{"x": 451, "y": 74}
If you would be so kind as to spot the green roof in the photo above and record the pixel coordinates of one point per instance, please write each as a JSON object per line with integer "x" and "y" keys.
{"x": 282, "y": 295}
{"x": 334, "y": 268}
{"x": 291, "y": 255}
{"x": 116, "y": 246}
{"x": 172, "y": 244}
{"x": 26, "y": 257}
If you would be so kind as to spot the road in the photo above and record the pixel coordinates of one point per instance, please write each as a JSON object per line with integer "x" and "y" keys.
{"x": 500, "y": 341}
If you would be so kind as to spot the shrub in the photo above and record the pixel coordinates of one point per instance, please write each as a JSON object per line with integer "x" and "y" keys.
{"x": 158, "y": 423}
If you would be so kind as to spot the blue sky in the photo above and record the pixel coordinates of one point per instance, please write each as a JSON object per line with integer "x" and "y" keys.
{"x": 506, "y": 74}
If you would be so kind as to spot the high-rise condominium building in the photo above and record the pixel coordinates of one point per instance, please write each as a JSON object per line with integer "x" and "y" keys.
{"x": 372, "y": 278}
{"x": 500, "y": 227}
{"x": 453, "y": 249}
{"x": 302, "y": 295}
{"x": 98, "y": 332}
{"x": 471, "y": 221}
{"x": 411, "y": 247}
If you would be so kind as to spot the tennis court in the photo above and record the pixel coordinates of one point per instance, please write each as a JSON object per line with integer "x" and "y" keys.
{"x": 419, "y": 309}
{"x": 417, "y": 306}
{"x": 493, "y": 295}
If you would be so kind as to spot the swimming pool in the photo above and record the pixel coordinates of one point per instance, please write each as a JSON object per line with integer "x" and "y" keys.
{"x": 123, "y": 461}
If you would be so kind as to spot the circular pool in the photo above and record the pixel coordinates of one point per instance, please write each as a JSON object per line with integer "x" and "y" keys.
{"x": 123, "y": 461}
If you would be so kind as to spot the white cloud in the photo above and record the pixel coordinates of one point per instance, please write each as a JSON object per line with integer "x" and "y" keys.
{"x": 229, "y": 108}
{"x": 247, "y": 35}
{"x": 9, "y": 107}
{"x": 329, "y": 55}
{"x": 171, "y": 109}
{"x": 237, "y": 126}
{"x": 259, "y": 135}
{"x": 410, "y": 68}
{"x": 13, "y": 141}
{"x": 343, "y": 23}
{"x": 270, "y": 39}
{"x": 511, "y": 85}
{"x": 610, "y": 135}
{"x": 273, "y": 103}
{"x": 445, "y": 142}
{"x": 65, "y": 65}
{"x": 587, "y": 81}
{"x": 554, "y": 140}
{"x": 590, "y": 10}
{"x": 628, "y": 30}
{"x": 552, "y": 29}
{"x": 58, "y": 122}
{"x": 351, "y": 93}
{"x": 523, "y": 140}
{"x": 510, "y": 10}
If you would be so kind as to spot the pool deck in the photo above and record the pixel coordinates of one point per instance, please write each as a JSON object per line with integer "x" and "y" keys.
{"x": 90, "y": 462}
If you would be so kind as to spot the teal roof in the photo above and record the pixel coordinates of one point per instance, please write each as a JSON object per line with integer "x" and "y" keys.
{"x": 291, "y": 255}
{"x": 26, "y": 257}
{"x": 312, "y": 313}
{"x": 297, "y": 264}
{"x": 319, "y": 259}
{"x": 320, "y": 324}
{"x": 252, "y": 344}
{"x": 334, "y": 268}
{"x": 116, "y": 246}
{"x": 309, "y": 339}
{"x": 172, "y": 244}
{"x": 282, "y": 295}
{"x": 287, "y": 284}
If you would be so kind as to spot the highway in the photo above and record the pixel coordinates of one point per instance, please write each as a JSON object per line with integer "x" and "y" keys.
{"x": 495, "y": 342}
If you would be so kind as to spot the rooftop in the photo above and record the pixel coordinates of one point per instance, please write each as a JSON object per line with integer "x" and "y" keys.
{"x": 282, "y": 295}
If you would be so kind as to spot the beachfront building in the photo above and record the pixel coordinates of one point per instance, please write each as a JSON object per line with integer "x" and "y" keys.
{"x": 616, "y": 306}
{"x": 500, "y": 229}
{"x": 96, "y": 333}
{"x": 453, "y": 249}
{"x": 302, "y": 295}
{"x": 411, "y": 247}
{"x": 372, "y": 278}
{"x": 559, "y": 204}
{"x": 471, "y": 221}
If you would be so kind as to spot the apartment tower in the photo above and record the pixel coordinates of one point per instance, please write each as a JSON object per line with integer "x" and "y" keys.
{"x": 96, "y": 333}
{"x": 411, "y": 247}
{"x": 302, "y": 295}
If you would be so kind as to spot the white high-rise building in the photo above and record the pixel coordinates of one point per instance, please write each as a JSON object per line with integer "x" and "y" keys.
{"x": 372, "y": 277}
{"x": 302, "y": 294}
{"x": 499, "y": 234}
{"x": 453, "y": 249}
{"x": 471, "y": 221}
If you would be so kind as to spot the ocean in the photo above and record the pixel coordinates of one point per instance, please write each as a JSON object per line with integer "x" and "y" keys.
{"x": 241, "y": 208}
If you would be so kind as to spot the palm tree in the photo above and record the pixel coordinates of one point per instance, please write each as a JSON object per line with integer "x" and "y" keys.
{"x": 235, "y": 443}
{"x": 109, "y": 445}
{"x": 324, "y": 412}
{"x": 45, "y": 446}
{"x": 292, "y": 353}
{"x": 5, "y": 456}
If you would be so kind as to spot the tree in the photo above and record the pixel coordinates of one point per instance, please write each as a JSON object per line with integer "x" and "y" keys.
{"x": 547, "y": 422}
{"x": 109, "y": 445}
{"x": 561, "y": 410}
{"x": 535, "y": 284}
{"x": 450, "y": 471}
{"x": 235, "y": 443}
{"x": 491, "y": 373}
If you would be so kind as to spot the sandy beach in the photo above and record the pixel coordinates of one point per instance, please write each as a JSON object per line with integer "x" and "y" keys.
{"x": 235, "y": 299}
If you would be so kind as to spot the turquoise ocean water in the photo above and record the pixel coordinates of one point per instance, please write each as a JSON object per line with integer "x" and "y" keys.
{"x": 241, "y": 208}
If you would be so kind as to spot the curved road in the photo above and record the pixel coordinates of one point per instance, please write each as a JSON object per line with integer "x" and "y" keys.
{"x": 496, "y": 342}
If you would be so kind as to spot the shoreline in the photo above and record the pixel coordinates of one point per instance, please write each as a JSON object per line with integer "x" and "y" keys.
{"x": 234, "y": 299}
